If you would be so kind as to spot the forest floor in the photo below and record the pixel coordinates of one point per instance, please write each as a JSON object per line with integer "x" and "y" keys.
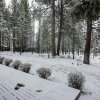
{"x": 61, "y": 66}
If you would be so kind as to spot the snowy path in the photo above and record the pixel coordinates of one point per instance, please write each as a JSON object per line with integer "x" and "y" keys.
{"x": 35, "y": 88}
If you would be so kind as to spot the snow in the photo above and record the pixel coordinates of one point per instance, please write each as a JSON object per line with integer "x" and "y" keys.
{"x": 61, "y": 67}
{"x": 9, "y": 78}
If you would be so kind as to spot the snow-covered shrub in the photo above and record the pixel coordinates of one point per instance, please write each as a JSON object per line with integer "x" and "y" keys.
{"x": 16, "y": 64}
{"x": 76, "y": 80}
{"x": 44, "y": 72}
{"x": 1, "y": 59}
{"x": 25, "y": 67}
{"x": 7, "y": 61}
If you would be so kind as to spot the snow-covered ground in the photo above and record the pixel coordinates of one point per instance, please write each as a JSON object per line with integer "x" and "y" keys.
{"x": 34, "y": 88}
{"x": 61, "y": 67}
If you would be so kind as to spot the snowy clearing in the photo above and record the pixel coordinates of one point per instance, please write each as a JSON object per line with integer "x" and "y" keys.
{"x": 61, "y": 67}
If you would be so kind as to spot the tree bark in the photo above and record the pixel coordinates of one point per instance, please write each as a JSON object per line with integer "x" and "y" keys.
{"x": 73, "y": 45}
{"x": 53, "y": 29}
{"x": 88, "y": 42}
{"x": 63, "y": 44}
{"x": 14, "y": 39}
{"x": 14, "y": 12}
{"x": 0, "y": 40}
{"x": 60, "y": 28}
{"x": 38, "y": 37}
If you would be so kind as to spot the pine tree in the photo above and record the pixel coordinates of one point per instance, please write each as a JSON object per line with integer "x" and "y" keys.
{"x": 8, "y": 25}
{"x": 51, "y": 3}
{"x": 25, "y": 25}
{"x": 14, "y": 22}
{"x": 3, "y": 26}
{"x": 61, "y": 26}
{"x": 88, "y": 10}
{"x": 53, "y": 28}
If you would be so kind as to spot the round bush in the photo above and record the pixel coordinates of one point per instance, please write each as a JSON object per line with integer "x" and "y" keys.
{"x": 25, "y": 67}
{"x": 16, "y": 64}
{"x": 44, "y": 72}
{"x": 1, "y": 59}
{"x": 7, "y": 61}
{"x": 76, "y": 80}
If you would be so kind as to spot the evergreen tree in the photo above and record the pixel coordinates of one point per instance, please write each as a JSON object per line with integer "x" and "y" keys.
{"x": 25, "y": 24}
{"x": 61, "y": 26}
{"x": 88, "y": 10}
{"x": 51, "y": 3}
{"x": 14, "y": 21}
{"x": 3, "y": 25}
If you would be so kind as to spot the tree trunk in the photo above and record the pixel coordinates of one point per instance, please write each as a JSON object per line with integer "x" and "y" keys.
{"x": 14, "y": 40}
{"x": 38, "y": 37}
{"x": 78, "y": 51}
{"x": 14, "y": 11}
{"x": 9, "y": 39}
{"x": 60, "y": 28}
{"x": 48, "y": 49}
{"x": 0, "y": 40}
{"x": 33, "y": 34}
{"x": 53, "y": 29}
{"x": 88, "y": 42}
{"x": 63, "y": 44}
{"x": 73, "y": 45}
{"x": 21, "y": 41}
